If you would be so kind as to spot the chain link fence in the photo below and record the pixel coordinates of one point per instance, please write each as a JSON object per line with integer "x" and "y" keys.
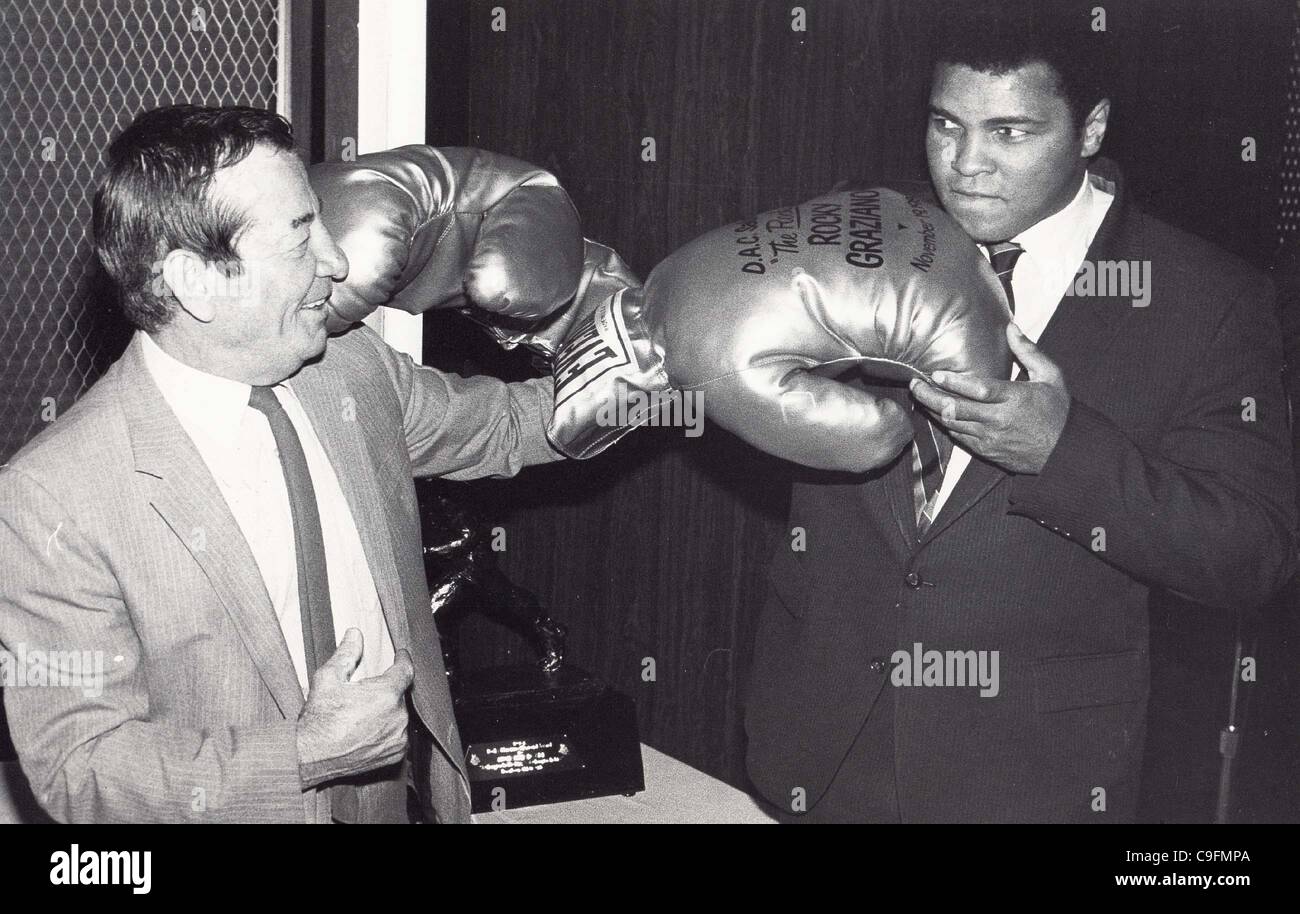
{"x": 72, "y": 75}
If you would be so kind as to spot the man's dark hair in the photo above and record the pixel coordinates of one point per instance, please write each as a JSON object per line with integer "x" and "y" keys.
{"x": 999, "y": 36}
{"x": 154, "y": 197}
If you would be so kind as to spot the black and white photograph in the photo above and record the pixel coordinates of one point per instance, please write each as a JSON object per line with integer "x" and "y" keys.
{"x": 629, "y": 412}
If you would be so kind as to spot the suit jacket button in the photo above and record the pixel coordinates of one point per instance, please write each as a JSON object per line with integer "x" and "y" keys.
{"x": 913, "y": 580}
{"x": 877, "y": 665}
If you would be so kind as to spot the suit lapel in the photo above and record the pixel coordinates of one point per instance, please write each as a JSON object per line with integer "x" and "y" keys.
{"x": 351, "y": 446}
{"x": 355, "y": 445}
{"x": 898, "y": 485}
{"x": 183, "y": 492}
{"x": 895, "y": 511}
{"x": 1076, "y": 339}
{"x": 976, "y": 481}
{"x": 1079, "y": 334}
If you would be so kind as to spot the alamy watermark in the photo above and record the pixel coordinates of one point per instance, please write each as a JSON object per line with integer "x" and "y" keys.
{"x": 957, "y": 669}
{"x": 631, "y": 406}
{"x": 227, "y": 280}
{"x": 26, "y": 667}
{"x": 1129, "y": 279}
{"x": 77, "y": 867}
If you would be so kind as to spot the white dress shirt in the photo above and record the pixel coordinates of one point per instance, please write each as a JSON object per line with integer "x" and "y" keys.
{"x": 236, "y": 443}
{"x": 1054, "y": 249}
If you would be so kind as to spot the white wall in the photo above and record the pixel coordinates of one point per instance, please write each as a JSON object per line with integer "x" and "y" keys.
{"x": 390, "y": 112}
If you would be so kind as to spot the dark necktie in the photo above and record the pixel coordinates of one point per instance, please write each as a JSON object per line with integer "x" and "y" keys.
{"x": 309, "y": 547}
{"x": 1003, "y": 256}
{"x": 308, "y": 540}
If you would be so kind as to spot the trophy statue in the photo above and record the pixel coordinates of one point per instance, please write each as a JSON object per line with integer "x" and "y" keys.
{"x": 535, "y": 733}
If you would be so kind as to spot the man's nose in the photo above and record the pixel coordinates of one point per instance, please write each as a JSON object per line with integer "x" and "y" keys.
{"x": 970, "y": 158}
{"x": 332, "y": 262}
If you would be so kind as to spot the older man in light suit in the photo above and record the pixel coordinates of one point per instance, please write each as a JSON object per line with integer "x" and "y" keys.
{"x": 232, "y": 502}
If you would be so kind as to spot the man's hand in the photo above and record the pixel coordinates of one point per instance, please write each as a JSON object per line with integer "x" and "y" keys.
{"x": 350, "y": 727}
{"x": 1014, "y": 424}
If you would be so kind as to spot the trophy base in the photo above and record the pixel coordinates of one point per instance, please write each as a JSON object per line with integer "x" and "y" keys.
{"x": 531, "y": 738}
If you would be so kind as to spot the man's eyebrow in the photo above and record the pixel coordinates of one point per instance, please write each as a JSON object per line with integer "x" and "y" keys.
{"x": 1021, "y": 121}
{"x": 1015, "y": 122}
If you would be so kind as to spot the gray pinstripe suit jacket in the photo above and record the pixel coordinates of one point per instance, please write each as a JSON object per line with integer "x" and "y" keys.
{"x": 114, "y": 537}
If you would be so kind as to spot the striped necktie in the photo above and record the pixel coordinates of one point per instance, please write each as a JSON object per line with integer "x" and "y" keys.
{"x": 1003, "y": 256}
{"x": 930, "y": 451}
{"x": 931, "y": 447}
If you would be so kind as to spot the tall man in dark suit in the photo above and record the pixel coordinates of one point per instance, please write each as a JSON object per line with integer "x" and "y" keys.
{"x": 1141, "y": 443}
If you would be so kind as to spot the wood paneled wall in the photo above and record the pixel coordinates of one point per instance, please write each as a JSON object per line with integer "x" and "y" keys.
{"x": 323, "y": 77}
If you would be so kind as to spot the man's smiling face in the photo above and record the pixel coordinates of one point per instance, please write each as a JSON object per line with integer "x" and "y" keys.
{"x": 1005, "y": 151}
{"x": 276, "y": 317}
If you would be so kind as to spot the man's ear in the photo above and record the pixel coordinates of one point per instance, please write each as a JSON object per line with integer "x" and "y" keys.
{"x": 1094, "y": 128}
{"x": 190, "y": 279}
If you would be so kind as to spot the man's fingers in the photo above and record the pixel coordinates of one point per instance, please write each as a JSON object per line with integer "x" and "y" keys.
{"x": 969, "y": 386}
{"x": 1036, "y": 364}
{"x": 400, "y": 675}
{"x": 968, "y": 443}
{"x": 949, "y": 408}
{"x": 345, "y": 658}
{"x": 929, "y": 396}
{"x": 955, "y": 427}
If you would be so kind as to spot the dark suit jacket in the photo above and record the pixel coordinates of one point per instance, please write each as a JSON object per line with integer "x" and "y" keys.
{"x": 1158, "y": 455}
{"x": 116, "y": 539}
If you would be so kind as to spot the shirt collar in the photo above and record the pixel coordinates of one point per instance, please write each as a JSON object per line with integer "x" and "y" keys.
{"x": 1062, "y": 230}
{"x": 204, "y": 403}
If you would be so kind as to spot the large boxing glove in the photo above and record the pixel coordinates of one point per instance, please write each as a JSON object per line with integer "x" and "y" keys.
{"x": 427, "y": 227}
{"x": 603, "y": 274}
{"x": 758, "y": 318}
